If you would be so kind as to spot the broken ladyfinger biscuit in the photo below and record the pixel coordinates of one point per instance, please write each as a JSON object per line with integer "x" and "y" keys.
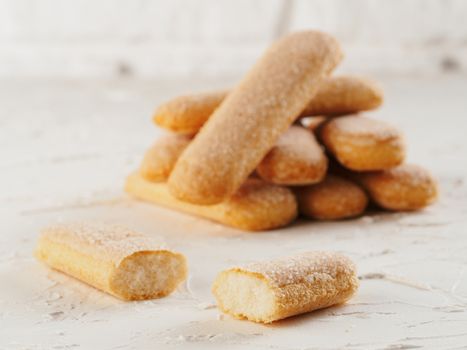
{"x": 272, "y": 290}
{"x": 333, "y": 198}
{"x": 406, "y": 187}
{"x": 295, "y": 159}
{"x": 114, "y": 259}
{"x": 256, "y": 206}
{"x": 363, "y": 144}
{"x": 338, "y": 95}
{"x": 252, "y": 117}
{"x": 160, "y": 159}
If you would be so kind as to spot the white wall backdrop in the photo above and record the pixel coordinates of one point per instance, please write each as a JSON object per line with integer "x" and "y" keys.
{"x": 179, "y": 38}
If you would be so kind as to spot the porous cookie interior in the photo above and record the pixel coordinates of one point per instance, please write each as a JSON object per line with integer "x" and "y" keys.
{"x": 148, "y": 274}
{"x": 246, "y": 295}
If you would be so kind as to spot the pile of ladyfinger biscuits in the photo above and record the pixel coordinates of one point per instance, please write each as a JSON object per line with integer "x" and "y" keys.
{"x": 285, "y": 140}
{"x": 289, "y": 139}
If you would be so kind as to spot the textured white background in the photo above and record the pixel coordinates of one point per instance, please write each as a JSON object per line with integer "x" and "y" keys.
{"x": 186, "y": 38}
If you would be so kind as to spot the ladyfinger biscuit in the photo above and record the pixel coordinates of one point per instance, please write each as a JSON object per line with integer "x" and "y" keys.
{"x": 256, "y": 206}
{"x": 363, "y": 144}
{"x": 335, "y": 96}
{"x": 114, "y": 259}
{"x": 332, "y": 199}
{"x": 272, "y": 290}
{"x": 406, "y": 187}
{"x": 252, "y": 117}
{"x": 296, "y": 159}
{"x": 160, "y": 159}
{"x": 344, "y": 95}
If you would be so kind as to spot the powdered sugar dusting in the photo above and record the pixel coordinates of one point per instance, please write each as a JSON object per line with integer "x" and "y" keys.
{"x": 106, "y": 241}
{"x": 410, "y": 174}
{"x": 306, "y": 267}
{"x": 299, "y": 142}
{"x": 362, "y": 126}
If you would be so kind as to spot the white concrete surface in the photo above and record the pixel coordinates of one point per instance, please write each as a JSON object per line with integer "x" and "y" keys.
{"x": 65, "y": 149}
{"x": 185, "y": 38}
